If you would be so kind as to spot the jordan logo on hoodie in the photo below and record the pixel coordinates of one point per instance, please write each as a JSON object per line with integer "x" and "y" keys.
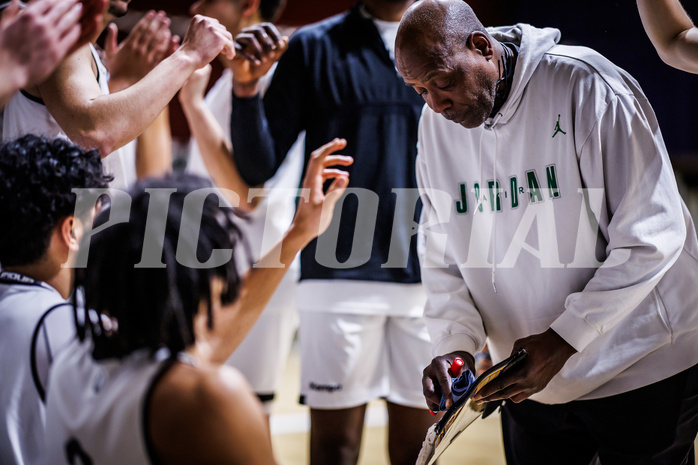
{"x": 558, "y": 128}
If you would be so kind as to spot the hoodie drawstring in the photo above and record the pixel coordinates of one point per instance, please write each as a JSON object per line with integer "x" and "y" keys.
{"x": 493, "y": 201}
{"x": 494, "y": 212}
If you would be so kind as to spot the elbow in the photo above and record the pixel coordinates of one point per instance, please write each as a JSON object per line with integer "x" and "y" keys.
{"x": 96, "y": 140}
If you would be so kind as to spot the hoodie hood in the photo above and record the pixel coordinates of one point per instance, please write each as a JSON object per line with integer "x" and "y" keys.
{"x": 533, "y": 44}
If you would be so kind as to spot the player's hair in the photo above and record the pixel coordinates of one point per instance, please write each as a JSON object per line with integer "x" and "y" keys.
{"x": 154, "y": 308}
{"x": 270, "y": 10}
{"x": 37, "y": 176}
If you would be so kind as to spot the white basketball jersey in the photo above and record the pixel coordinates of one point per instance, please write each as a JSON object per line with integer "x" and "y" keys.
{"x": 26, "y": 114}
{"x": 21, "y": 408}
{"x": 96, "y": 411}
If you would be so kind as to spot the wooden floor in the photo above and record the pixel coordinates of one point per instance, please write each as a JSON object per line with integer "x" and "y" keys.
{"x": 480, "y": 444}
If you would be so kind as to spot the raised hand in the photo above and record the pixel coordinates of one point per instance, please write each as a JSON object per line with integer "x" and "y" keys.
{"x": 547, "y": 354}
{"x": 205, "y": 39}
{"x": 34, "y": 41}
{"x": 148, "y": 43}
{"x": 314, "y": 215}
{"x": 258, "y": 48}
{"x": 437, "y": 381}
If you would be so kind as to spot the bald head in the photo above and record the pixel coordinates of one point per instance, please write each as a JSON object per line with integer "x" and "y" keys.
{"x": 445, "y": 54}
{"x": 447, "y": 23}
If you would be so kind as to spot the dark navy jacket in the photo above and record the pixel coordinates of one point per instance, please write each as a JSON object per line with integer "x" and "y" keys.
{"x": 337, "y": 80}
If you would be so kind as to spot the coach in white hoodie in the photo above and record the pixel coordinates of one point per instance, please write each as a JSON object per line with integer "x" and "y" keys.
{"x": 552, "y": 222}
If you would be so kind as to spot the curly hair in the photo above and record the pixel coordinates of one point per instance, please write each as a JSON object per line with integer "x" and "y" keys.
{"x": 37, "y": 176}
{"x": 154, "y": 308}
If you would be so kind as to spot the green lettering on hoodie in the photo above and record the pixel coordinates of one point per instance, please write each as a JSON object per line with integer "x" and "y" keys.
{"x": 534, "y": 187}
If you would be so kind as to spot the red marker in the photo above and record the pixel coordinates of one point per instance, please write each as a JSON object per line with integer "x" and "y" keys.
{"x": 454, "y": 371}
{"x": 456, "y": 367}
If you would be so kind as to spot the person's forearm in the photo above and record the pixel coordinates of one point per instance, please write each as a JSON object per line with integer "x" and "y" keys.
{"x": 255, "y": 149}
{"x": 671, "y": 31}
{"x": 108, "y": 122}
{"x": 10, "y": 81}
{"x": 260, "y": 283}
{"x": 215, "y": 152}
{"x": 154, "y": 148}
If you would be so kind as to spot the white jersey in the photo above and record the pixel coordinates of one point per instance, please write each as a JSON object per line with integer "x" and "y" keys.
{"x": 96, "y": 411}
{"x": 26, "y": 114}
{"x": 22, "y": 306}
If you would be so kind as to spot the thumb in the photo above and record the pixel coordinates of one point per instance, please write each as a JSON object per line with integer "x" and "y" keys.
{"x": 110, "y": 44}
{"x": 337, "y": 188}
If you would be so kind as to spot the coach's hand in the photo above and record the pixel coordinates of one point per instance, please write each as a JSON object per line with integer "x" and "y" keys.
{"x": 436, "y": 379}
{"x": 547, "y": 354}
{"x": 257, "y": 49}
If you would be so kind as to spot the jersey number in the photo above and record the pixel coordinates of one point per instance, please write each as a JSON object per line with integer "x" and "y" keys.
{"x": 75, "y": 453}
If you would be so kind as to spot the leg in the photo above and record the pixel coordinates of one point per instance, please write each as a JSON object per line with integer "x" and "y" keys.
{"x": 409, "y": 351}
{"x": 342, "y": 360}
{"x": 335, "y": 435}
{"x": 407, "y": 428}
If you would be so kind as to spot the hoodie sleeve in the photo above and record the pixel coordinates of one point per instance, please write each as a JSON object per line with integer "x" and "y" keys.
{"x": 452, "y": 319}
{"x": 641, "y": 218}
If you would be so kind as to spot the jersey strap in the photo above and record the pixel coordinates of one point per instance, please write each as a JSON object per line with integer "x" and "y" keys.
{"x": 32, "y": 356}
{"x": 145, "y": 413}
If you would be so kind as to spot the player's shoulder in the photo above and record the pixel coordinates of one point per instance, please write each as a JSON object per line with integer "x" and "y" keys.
{"x": 78, "y": 66}
{"x": 193, "y": 411}
{"x": 29, "y": 300}
{"x": 197, "y": 388}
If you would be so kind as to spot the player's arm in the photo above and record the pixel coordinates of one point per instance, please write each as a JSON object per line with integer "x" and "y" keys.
{"x": 35, "y": 40}
{"x": 263, "y": 131}
{"x": 154, "y": 148}
{"x": 313, "y": 216}
{"x": 147, "y": 44}
{"x": 107, "y": 122}
{"x": 217, "y": 420}
{"x": 672, "y": 32}
{"x": 214, "y": 148}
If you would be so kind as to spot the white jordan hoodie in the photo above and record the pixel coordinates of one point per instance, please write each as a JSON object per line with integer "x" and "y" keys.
{"x": 561, "y": 211}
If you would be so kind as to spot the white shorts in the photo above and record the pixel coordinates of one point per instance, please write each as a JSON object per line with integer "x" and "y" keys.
{"x": 348, "y": 360}
{"x": 262, "y": 356}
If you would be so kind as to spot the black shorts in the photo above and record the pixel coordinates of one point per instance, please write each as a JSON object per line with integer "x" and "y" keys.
{"x": 656, "y": 424}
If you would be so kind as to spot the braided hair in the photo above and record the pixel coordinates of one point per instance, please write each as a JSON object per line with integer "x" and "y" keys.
{"x": 154, "y": 307}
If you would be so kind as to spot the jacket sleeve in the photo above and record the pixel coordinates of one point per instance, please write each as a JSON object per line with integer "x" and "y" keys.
{"x": 263, "y": 131}
{"x": 452, "y": 319}
{"x": 641, "y": 218}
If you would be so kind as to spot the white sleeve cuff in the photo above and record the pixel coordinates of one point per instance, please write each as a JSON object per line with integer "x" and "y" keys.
{"x": 453, "y": 343}
{"x": 576, "y": 331}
